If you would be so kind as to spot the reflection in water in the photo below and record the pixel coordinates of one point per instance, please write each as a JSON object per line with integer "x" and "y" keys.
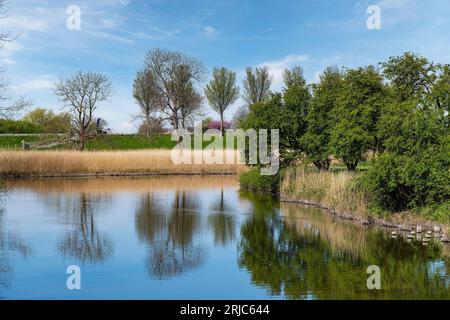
{"x": 10, "y": 246}
{"x": 83, "y": 241}
{"x": 222, "y": 221}
{"x": 306, "y": 254}
{"x": 161, "y": 228}
{"x": 169, "y": 233}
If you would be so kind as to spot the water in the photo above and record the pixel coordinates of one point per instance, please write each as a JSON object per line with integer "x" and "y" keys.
{"x": 197, "y": 238}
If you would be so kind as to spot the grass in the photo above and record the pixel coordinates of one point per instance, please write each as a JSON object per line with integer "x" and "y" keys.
{"x": 73, "y": 163}
{"x": 9, "y": 142}
{"x": 334, "y": 190}
{"x": 131, "y": 142}
{"x": 254, "y": 181}
{"x": 110, "y": 142}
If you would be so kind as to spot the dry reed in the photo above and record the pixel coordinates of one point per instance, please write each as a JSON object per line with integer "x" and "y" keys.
{"x": 73, "y": 163}
{"x": 334, "y": 191}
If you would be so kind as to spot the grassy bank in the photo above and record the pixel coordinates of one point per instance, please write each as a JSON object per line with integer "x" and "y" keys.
{"x": 14, "y": 142}
{"x": 73, "y": 163}
{"x": 337, "y": 191}
{"x": 111, "y": 142}
{"x": 342, "y": 194}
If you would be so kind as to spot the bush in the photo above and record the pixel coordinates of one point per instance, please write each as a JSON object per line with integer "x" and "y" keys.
{"x": 399, "y": 182}
{"x": 253, "y": 180}
{"x": 19, "y": 127}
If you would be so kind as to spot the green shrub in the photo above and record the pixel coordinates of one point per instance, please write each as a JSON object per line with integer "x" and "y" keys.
{"x": 253, "y": 180}
{"x": 400, "y": 182}
{"x": 19, "y": 127}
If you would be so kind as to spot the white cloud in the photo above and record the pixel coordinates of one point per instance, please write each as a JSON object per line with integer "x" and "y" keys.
{"x": 393, "y": 4}
{"x": 210, "y": 32}
{"x": 7, "y": 51}
{"x": 41, "y": 83}
{"x": 277, "y": 67}
{"x": 24, "y": 23}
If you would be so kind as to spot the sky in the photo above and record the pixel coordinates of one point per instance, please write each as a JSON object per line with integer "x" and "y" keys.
{"x": 114, "y": 36}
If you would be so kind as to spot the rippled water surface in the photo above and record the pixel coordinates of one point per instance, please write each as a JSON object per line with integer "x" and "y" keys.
{"x": 196, "y": 238}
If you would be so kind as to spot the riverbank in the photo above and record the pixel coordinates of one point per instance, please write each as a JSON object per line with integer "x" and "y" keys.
{"x": 26, "y": 164}
{"x": 339, "y": 194}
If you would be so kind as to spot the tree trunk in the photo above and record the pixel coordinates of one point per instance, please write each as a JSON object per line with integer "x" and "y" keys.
{"x": 221, "y": 124}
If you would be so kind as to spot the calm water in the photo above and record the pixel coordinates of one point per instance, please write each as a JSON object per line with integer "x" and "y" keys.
{"x": 196, "y": 238}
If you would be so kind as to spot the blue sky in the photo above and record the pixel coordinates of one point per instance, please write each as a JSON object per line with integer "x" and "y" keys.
{"x": 116, "y": 34}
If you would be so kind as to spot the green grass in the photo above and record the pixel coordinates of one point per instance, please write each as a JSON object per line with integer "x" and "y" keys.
{"x": 254, "y": 181}
{"x": 130, "y": 142}
{"x": 107, "y": 142}
{"x": 15, "y": 142}
{"x": 135, "y": 142}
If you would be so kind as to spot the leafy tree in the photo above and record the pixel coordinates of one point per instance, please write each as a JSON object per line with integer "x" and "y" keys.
{"x": 319, "y": 120}
{"x": 257, "y": 85}
{"x": 356, "y": 115}
{"x": 414, "y": 170}
{"x": 274, "y": 114}
{"x": 441, "y": 92}
{"x": 297, "y": 97}
{"x": 410, "y": 75}
{"x": 222, "y": 91}
{"x": 49, "y": 121}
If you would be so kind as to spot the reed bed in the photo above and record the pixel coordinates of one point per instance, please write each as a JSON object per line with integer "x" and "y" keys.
{"x": 73, "y": 163}
{"x": 335, "y": 191}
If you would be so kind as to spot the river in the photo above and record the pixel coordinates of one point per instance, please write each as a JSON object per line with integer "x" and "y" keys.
{"x": 197, "y": 237}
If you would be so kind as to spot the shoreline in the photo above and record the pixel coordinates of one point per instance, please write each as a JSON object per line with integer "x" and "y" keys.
{"x": 112, "y": 174}
{"x": 402, "y": 226}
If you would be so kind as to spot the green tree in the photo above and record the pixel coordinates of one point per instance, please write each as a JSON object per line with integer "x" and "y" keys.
{"x": 414, "y": 170}
{"x": 49, "y": 121}
{"x": 221, "y": 92}
{"x": 319, "y": 120}
{"x": 257, "y": 85}
{"x": 297, "y": 97}
{"x": 356, "y": 115}
{"x": 274, "y": 114}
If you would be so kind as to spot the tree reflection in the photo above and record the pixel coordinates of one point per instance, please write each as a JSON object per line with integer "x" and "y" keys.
{"x": 169, "y": 232}
{"x": 222, "y": 222}
{"x": 83, "y": 241}
{"x": 10, "y": 246}
{"x": 297, "y": 259}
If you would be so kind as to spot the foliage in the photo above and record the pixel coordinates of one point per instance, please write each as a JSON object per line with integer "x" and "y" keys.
{"x": 49, "y": 121}
{"x": 356, "y": 115}
{"x": 221, "y": 92}
{"x": 19, "y": 127}
{"x": 413, "y": 172}
{"x": 252, "y": 180}
{"x": 257, "y": 85}
{"x": 319, "y": 119}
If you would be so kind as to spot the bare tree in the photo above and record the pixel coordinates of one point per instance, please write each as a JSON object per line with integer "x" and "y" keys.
{"x": 148, "y": 98}
{"x": 81, "y": 95}
{"x": 10, "y": 109}
{"x": 257, "y": 85}
{"x": 176, "y": 76}
{"x": 221, "y": 92}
